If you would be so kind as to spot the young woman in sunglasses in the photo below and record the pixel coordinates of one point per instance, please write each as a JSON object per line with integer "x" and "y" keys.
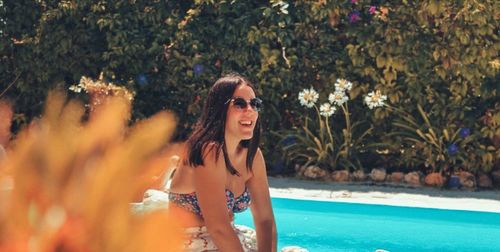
{"x": 223, "y": 173}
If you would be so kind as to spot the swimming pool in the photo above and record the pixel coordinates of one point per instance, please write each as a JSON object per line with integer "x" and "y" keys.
{"x": 333, "y": 226}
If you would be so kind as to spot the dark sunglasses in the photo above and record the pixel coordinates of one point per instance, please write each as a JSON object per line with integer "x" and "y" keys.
{"x": 241, "y": 103}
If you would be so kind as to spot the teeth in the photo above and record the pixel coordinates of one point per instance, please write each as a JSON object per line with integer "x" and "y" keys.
{"x": 246, "y": 122}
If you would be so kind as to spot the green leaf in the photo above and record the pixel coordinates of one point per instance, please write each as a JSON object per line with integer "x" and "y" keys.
{"x": 381, "y": 61}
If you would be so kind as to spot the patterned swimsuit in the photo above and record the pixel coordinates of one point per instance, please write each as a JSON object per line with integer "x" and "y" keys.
{"x": 189, "y": 201}
{"x": 197, "y": 238}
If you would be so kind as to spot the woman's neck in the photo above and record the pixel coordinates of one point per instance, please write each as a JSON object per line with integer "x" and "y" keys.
{"x": 232, "y": 146}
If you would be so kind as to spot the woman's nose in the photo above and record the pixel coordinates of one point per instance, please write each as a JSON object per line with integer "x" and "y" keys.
{"x": 249, "y": 107}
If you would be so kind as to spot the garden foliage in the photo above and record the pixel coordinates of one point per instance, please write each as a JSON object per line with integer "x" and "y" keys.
{"x": 438, "y": 58}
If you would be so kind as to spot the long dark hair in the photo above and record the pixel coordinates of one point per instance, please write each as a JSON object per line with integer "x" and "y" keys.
{"x": 211, "y": 126}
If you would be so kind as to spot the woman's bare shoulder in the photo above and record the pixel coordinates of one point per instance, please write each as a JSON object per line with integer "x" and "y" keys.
{"x": 210, "y": 151}
{"x": 259, "y": 158}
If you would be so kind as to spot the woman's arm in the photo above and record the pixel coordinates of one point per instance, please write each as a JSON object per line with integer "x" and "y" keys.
{"x": 209, "y": 181}
{"x": 262, "y": 210}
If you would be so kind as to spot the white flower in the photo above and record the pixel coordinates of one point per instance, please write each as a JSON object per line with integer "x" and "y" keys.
{"x": 75, "y": 88}
{"x": 375, "y": 99}
{"x": 282, "y": 5}
{"x": 308, "y": 97}
{"x": 342, "y": 84}
{"x": 338, "y": 97}
{"x": 326, "y": 109}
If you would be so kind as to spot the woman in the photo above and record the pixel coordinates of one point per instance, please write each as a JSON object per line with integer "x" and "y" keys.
{"x": 223, "y": 172}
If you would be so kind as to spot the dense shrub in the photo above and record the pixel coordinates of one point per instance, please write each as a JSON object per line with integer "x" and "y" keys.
{"x": 442, "y": 55}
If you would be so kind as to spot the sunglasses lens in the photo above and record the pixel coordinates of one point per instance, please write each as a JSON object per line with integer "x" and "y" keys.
{"x": 240, "y": 103}
{"x": 256, "y": 104}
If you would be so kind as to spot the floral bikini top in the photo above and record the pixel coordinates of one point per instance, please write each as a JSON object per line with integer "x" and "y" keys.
{"x": 189, "y": 201}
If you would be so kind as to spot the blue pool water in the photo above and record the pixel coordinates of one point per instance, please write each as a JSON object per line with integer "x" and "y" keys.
{"x": 333, "y": 226}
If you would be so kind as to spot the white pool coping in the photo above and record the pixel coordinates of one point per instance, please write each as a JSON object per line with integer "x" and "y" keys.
{"x": 393, "y": 195}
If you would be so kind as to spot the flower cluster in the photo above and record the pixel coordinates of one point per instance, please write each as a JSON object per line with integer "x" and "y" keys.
{"x": 452, "y": 149}
{"x": 377, "y": 12}
{"x": 309, "y": 97}
{"x": 339, "y": 96}
{"x": 327, "y": 110}
{"x": 198, "y": 69}
{"x": 354, "y": 16}
{"x": 101, "y": 88}
{"x": 343, "y": 85}
{"x": 464, "y": 132}
{"x": 375, "y": 99}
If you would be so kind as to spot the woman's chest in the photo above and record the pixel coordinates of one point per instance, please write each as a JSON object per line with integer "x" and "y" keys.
{"x": 237, "y": 183}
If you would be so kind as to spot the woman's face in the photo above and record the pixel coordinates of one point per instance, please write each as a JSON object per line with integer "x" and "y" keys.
{"x": 241, "y": 118}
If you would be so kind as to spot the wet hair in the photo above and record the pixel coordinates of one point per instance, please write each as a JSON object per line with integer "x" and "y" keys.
{"x": 209, "y": 131}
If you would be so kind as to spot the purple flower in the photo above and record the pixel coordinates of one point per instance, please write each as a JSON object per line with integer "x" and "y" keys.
{"x": 141, "y": 79}
{"x": 464, "y": 132}
{"x": 198, "y": 69}
{"x": 354, "y": 1}
{"x": 354, "y": 16}
{"x": 372, "y": 9}
{"x": 452, "y": 149}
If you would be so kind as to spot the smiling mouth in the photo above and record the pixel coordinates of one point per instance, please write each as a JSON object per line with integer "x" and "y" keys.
{"x": 246, "y": 123}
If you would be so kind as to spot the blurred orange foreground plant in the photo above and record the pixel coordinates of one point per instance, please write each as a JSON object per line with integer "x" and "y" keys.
{"x": 66, "y": 183}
